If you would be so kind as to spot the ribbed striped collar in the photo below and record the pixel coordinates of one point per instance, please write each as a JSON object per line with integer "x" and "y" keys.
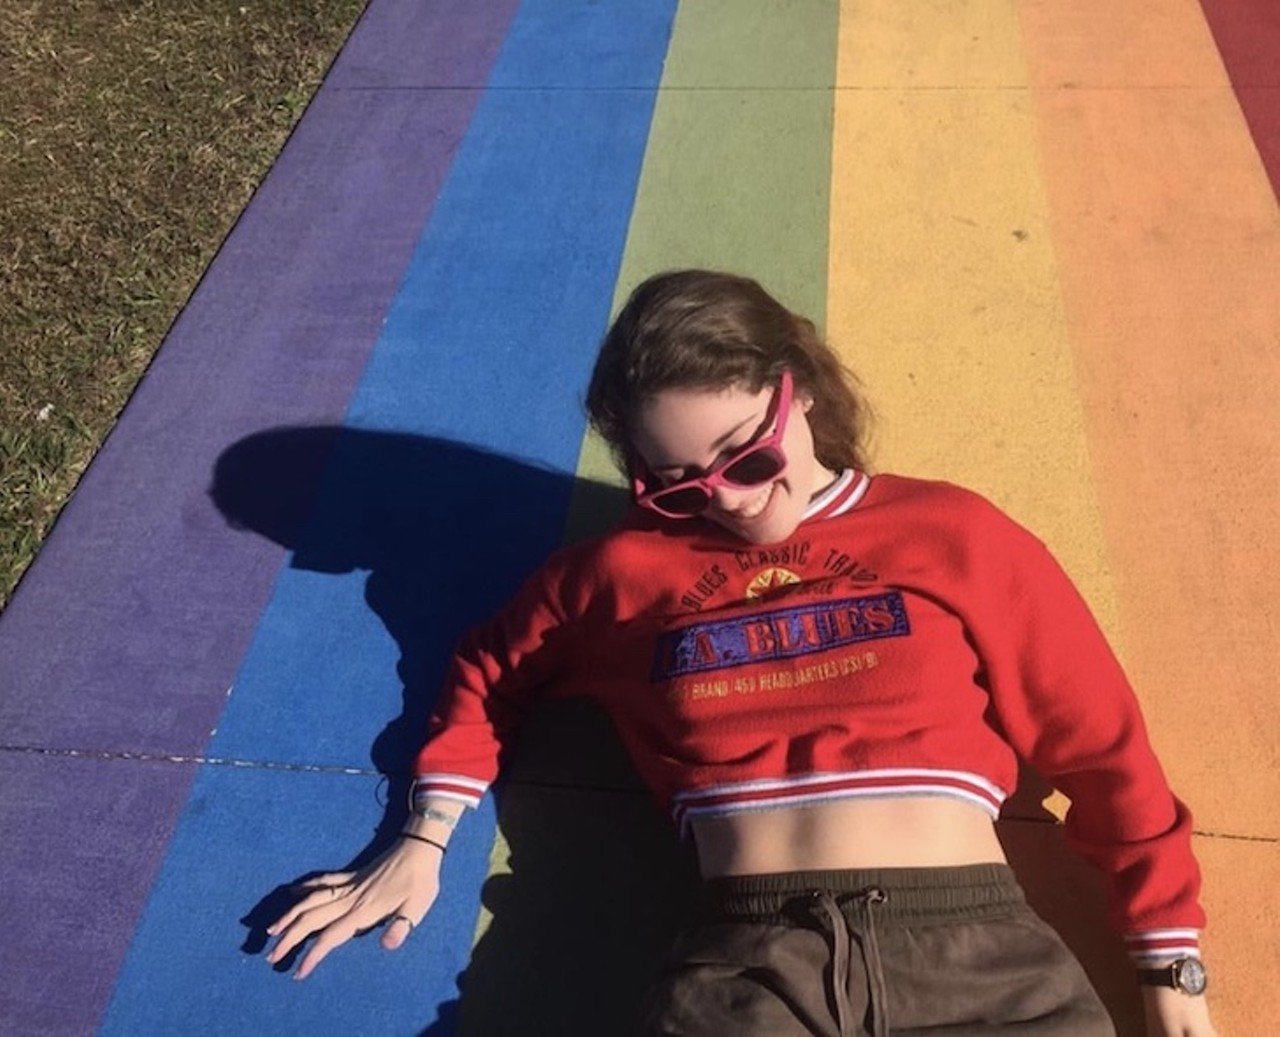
{"x": 849, "y": 488}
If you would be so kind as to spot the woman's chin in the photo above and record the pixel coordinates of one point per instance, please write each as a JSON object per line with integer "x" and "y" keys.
{"x": 771, "y": 525}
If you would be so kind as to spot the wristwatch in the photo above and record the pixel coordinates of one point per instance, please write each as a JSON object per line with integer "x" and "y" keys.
{"x": 1185, "y": 974}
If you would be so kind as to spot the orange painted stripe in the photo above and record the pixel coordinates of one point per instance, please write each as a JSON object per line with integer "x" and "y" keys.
{"x": 1168, "y": 240}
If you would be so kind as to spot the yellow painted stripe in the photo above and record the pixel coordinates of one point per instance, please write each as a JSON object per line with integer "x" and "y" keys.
{"x": 944, "y": 292}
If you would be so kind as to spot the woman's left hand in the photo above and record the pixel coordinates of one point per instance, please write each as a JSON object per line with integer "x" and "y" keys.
{"x": 1171, "y": 1013}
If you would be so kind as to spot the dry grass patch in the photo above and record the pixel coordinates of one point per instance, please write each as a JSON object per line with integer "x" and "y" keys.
{"x": 131, "y": 136}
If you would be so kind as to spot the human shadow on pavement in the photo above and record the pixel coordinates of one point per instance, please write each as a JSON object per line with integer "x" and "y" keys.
{"x": 447, "y": 533}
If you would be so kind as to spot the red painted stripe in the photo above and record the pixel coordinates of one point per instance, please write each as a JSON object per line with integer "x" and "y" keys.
{"x": 1247, "y": 33}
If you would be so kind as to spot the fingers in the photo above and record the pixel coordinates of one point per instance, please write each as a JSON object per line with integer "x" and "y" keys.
{"x": 360, "y": 912}
{"x": 395, "y": 891}
{"x": 336, "y": 914}
{"x": 332, "y": 878}
{"x": 398, "y": 929}
{"x": 331, "y": 937}
{"x": 402, "y": 924}
{"x": 322, "y": 892}
{"x": 311, "y": 915}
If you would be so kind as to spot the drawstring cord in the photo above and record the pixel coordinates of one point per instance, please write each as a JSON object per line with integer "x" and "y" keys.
{"x": 879, "y": 994}
{"x": 842, "y": 937}
{"x": 840, "y": 960}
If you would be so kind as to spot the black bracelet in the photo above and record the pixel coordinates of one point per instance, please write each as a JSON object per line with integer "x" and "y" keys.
{"x": 423, "y": 839}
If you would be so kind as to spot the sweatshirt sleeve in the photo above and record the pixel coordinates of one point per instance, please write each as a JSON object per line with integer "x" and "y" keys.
{"x": 1066, "y": 706}
{"x": 494, "y": 675}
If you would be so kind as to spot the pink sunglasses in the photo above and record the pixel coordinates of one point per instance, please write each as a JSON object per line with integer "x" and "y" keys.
{"x": 756, "y": 462}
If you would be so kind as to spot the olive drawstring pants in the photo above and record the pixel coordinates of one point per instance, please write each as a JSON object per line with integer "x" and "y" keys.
{"x": 896, "y": 952}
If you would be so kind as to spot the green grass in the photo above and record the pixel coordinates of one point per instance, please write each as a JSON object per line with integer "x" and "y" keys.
{"x": 132, "y": 133}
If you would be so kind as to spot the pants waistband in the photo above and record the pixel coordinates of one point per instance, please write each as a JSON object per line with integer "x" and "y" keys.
{"x": 916, "y": 895}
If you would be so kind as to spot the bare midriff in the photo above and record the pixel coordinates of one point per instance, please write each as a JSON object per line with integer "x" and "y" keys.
{"x": 891, "y": 832}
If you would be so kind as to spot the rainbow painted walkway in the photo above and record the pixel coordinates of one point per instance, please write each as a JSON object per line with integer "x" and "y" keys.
{"x": 1047, "y": 236}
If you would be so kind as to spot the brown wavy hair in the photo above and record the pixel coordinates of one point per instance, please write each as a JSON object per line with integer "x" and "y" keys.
{"x": 702, "y": 329}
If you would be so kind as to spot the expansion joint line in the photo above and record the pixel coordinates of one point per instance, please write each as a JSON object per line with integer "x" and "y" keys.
{"x": 122, "y": 755}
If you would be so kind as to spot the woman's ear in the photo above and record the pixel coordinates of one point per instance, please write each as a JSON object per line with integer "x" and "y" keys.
{"x": 806, "y": 403}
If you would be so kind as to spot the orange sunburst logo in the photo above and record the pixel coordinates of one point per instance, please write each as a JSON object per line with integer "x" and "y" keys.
{"x": 768, "y": 581}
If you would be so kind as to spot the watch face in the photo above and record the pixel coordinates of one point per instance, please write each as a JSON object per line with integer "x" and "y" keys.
{"x": 1189, "y": 975}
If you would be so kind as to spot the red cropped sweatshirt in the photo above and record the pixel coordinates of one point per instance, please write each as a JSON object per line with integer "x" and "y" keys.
{"x": 908, "y": 638}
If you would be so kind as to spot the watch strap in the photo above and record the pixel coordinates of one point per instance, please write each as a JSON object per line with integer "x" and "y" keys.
{"x": 1185, "y": 974}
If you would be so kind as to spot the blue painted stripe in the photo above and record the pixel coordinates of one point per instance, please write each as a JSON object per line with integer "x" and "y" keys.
{"x": 195, "y": 966}
{"x": 479, "y": 372}
{"x": 451, "y": 480}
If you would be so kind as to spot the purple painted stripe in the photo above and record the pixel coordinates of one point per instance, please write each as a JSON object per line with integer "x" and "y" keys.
{"x": 409, "y": 45}
{"x": 90, "y": 835}
{"x": 131, "y": 625}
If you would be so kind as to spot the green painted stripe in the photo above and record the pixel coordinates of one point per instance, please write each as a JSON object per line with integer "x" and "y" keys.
{"x": 737, "y": 172}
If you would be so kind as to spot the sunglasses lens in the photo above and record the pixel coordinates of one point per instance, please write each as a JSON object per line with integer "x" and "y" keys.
{"x": 754, "y": 468}
{"x": 688, "y": 500}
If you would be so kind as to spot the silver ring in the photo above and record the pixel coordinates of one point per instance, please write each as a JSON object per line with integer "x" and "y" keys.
{"x": 400, "y": 918}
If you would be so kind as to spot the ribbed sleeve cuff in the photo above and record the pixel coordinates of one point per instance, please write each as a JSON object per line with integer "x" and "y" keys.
{"x": 457, "y": 787}
{"x": 1155, "y": 945}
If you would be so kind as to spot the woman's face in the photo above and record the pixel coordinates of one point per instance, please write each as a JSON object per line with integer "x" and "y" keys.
{"x": 684, "y": 433}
